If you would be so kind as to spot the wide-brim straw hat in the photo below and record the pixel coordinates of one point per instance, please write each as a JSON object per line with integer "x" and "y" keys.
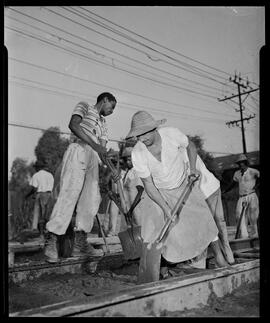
{"x": 143, "y": 122}
{"x": 241, "y": 158}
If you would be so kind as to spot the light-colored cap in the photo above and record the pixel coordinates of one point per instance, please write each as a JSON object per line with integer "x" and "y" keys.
{"x": 143, "y": 122}
{"x": 241, "y": 158}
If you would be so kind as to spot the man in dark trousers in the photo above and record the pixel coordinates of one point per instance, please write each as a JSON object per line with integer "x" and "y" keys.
{"x": 41, "y": 185}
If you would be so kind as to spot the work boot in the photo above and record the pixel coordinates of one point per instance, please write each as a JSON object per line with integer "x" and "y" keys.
{"x": 82, "y": 248}
{"x": 50, "y": 248}
{"x": 42, "y": 232}
{"x": 164, "y": 272}
{"x": 219, "y": 258}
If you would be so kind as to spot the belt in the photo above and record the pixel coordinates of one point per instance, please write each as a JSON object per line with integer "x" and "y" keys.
{"x": 45, "y": 192}
{"x": 247, "y": 194}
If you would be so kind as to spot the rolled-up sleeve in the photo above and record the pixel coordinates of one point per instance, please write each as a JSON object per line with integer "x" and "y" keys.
{"x": 33, "y": 181}
{"x": 140, "y": 164}
{"x": 181, "y": 139}
{"x": 81, "y": 109}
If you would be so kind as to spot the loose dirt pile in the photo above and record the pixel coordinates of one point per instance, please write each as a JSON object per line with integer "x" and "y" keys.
{"x": 243, "y": 302}
{"x": 53, "y": 288}
{"x": 115, "y": 274}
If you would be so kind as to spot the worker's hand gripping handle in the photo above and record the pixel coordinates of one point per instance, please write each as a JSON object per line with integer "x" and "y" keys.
{"x": 117, "y": 178}
{"x": 178, "y": 206}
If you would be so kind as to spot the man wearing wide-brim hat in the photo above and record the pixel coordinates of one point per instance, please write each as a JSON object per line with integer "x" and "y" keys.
{"x": 164, "y": 158}
{"x": 248, "y": 181}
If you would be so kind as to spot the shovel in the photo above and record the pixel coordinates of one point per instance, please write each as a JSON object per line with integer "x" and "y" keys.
{"x": 103, "y": 235}
{"x": 244, "y": 208}
{"x": 149, "y": 268}
{"x": 131, "y": 240}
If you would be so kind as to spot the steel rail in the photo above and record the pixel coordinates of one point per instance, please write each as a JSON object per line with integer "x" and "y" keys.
{"x": 158, "y": 298}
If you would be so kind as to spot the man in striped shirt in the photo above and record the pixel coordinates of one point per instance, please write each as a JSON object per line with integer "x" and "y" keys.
{"x": 79, "y": 187}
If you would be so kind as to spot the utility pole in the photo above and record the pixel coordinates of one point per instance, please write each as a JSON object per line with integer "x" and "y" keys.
{"x": 237, "y": 80}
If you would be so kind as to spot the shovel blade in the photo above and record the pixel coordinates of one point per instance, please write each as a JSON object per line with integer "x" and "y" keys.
{"x": 131, "y": 242}
{"x": 149, "y": 268}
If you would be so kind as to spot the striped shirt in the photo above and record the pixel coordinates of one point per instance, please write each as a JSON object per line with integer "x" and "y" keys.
{"x": 92, "y": 123}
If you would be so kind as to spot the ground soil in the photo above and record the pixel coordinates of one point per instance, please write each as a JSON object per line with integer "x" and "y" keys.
{"x": 115, "y": 276}
{"x": 243, "y": 302}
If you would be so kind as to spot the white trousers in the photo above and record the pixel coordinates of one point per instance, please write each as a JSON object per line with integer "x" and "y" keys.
{"x": 79, "y": 189}
{"x": 251, "y": 215}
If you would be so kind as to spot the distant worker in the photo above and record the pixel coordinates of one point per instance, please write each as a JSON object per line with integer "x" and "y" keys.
{"x": 41, "y": 185}
{"x": 79, "y": 180}
{"x": 131, "y": 184}
{"x": 248, "y": 182}
{"x": 165, "y": 159}
{"x": 113, "y": 216}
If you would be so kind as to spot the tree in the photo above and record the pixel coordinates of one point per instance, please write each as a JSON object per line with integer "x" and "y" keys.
{"x": 51, "y": 148}
{"x": 20, "y": 209}
{"x": 20, "y": 174}
{"x": 206, "y": 157}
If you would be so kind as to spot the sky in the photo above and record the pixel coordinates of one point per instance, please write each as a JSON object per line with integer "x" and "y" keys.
{"x": 174, "y": 62}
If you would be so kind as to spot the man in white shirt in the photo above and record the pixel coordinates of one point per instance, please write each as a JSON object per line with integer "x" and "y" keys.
{"x": 248, "y": 181}
{"x": 42, "y": 184}
{"x": 165, "y": 159}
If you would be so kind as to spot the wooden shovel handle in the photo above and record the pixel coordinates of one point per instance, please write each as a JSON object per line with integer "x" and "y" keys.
{"x": 119, "y": 186}
{"x": 178, "y": 207}
{"x": 137, "y": 199}
{"x": 244, "y": 208}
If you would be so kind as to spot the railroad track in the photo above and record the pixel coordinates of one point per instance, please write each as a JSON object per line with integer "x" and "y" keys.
{"x": 158, "y": 298}
{"x": 187, "y": 291}
{"x": 32, "y": 270}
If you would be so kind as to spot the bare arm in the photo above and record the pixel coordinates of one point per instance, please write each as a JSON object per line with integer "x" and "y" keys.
{"x": 257, "y": 183}
{"x": 75, "y": 127}
{"x": 155, "y": 195}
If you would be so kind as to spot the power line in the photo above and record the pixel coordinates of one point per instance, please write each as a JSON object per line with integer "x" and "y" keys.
{"x": 244, "y": 107}
{"x": 138, "y": 42}
{"x": 125, "y": 105}
{"x": 21, "y": 125}
{"x": 43, "y": 129}
{"x": 255, "y": 99}
{"x": 153, "y": 42}
{"x": 136, "y": 94}
{"x": 237, "y": 80}
{"x": 177, "y": 66}
{"x": 121, "y": 69}
{"x": 107, "y": 49}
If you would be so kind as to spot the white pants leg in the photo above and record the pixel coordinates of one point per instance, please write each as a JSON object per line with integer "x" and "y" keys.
{"x": 71, "y": 183}
{"x": 243, "y": 232}
{"x": 90, "y": 198}
{"x": 253, "y": 214}
{"x": 36, "y": 214}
